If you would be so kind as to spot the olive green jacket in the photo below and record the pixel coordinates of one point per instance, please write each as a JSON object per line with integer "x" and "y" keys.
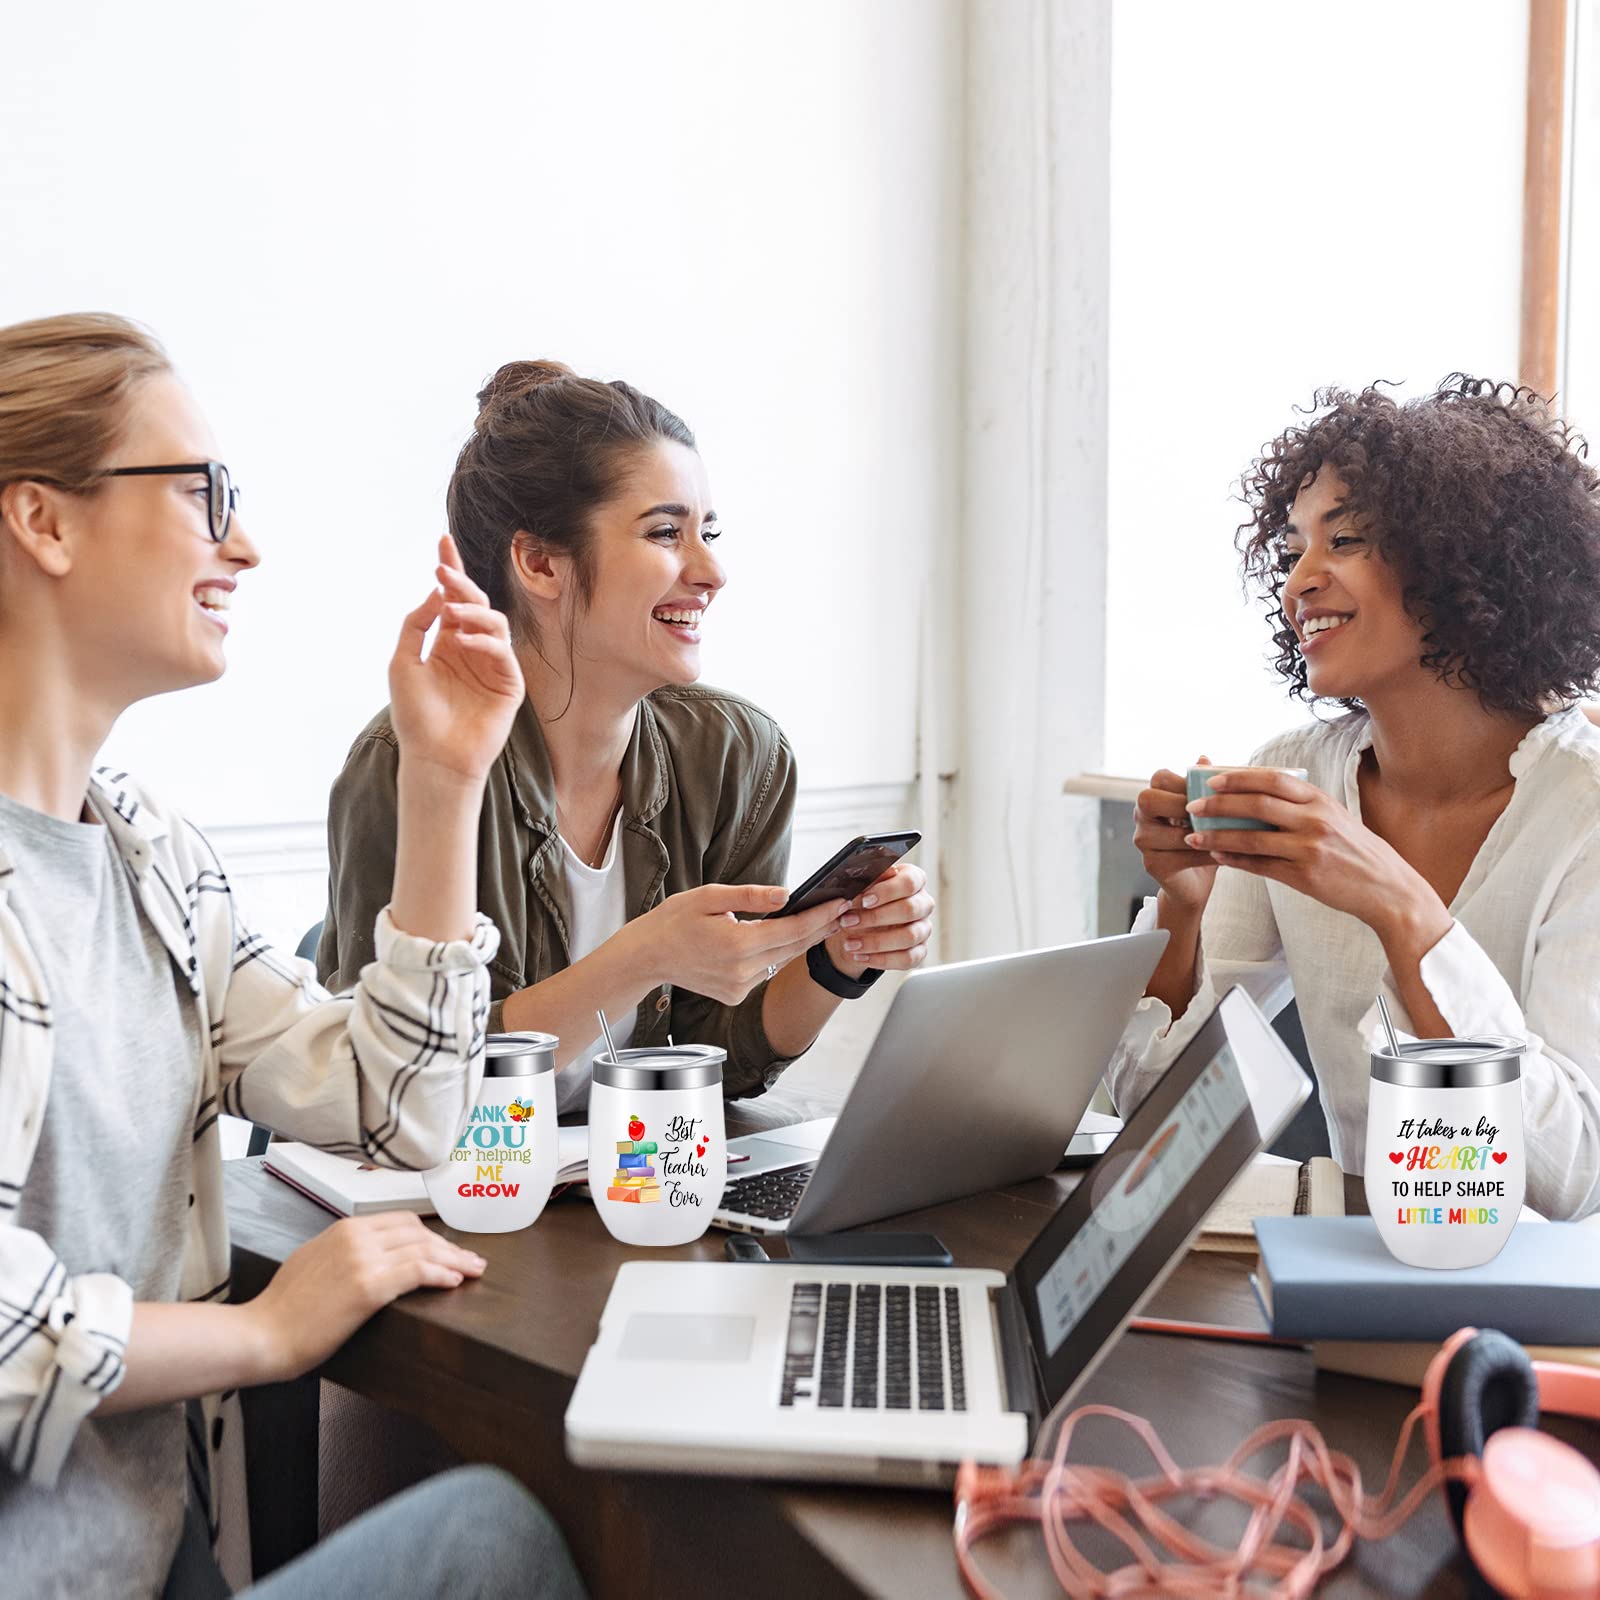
{"x": 708, "y": 793}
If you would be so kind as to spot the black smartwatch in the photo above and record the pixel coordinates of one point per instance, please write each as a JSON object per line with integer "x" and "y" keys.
{"x": 823, "y": 971}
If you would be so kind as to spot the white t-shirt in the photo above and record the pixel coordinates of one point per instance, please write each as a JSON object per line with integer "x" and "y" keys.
{"x": 599, "y": 902}
{"x": 1519, "y": 960}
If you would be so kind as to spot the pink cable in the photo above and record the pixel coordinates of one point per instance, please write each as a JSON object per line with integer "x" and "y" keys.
{"x": 1057, "y": 1494}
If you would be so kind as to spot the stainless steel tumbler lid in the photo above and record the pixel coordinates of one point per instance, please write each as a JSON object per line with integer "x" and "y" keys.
{"x": 676, "y": 1066}
{"x": 519, "y": 1055}
{"x": 1450, "y": 1063}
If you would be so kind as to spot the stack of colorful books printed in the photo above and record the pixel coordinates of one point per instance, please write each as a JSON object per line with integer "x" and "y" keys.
{"x": 636, "y": 1172}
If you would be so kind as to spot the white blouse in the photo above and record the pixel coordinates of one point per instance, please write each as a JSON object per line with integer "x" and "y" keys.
{"x": 1522, "y": 958}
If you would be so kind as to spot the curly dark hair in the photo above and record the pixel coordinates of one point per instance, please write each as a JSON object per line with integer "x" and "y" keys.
{"x": 1484, "y": 504}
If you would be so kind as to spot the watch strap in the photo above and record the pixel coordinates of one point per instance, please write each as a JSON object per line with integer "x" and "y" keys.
{"x": 820, "y": 965}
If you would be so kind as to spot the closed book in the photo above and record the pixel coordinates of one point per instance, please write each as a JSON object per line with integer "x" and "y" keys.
{"x": 1406, "y": 1363}
{"x": 349, "y": 1188}
{"x": 1333, "y": 1278}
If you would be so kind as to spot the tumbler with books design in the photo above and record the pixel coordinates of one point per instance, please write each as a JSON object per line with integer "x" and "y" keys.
{"x": 657, "y": 1157}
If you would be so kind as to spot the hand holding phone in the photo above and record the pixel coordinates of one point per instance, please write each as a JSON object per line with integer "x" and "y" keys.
{"x": 849, "y": 870}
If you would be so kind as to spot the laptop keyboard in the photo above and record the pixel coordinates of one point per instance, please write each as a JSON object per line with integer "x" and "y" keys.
{"x": 874, "y": 1347}
{"x": 769, "y": 1195}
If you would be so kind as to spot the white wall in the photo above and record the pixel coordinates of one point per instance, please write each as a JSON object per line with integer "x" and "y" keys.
{"x": 1300, "y": 195}
{"x": 342, "y": 218}
{"x": 1028, "y": 586}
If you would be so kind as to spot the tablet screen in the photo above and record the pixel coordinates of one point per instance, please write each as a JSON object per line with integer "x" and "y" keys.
{"x": 1133, "y": 1210}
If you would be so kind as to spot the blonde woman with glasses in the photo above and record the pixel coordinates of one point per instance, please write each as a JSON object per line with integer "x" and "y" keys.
{"x": 136, "y": 1004}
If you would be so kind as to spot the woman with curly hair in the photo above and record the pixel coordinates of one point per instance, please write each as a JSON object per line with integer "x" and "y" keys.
{"x": 1432, "y": 567}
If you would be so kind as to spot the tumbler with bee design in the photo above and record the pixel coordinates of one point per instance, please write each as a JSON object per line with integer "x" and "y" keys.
{"x": 501, "y": 1172}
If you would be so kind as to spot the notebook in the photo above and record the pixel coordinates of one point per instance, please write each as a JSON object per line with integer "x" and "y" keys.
{"x": 1333, "y": 1278}
{"x": 357, "y": 1188}
{"x": 1271, "y": 1186}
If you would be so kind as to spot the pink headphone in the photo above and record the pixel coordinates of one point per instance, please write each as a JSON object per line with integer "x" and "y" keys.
{"x": 1526, "y": 1506}
{"x": 1529, "y": 1518}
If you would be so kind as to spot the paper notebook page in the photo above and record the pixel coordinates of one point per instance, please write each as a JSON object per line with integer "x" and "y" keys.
{"x": 572, "y": 1154}
{"x": 1271, "y": 1186}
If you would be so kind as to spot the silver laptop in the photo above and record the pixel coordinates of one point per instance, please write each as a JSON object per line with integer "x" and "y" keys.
{"x": 897, "y": 1375}
{"x": 978, "y": 1077}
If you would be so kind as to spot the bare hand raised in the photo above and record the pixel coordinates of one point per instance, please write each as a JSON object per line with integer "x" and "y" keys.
{"x": 453, "y": 708}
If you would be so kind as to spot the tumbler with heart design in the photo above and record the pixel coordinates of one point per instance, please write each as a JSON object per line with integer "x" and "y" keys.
{"x": 658, "y": 1162}
{"x": 1445, "y": 1170}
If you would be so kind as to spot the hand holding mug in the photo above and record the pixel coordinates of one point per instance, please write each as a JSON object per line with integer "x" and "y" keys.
{"x": 1317, "y": 847}
{"x": 1161, "y": 830}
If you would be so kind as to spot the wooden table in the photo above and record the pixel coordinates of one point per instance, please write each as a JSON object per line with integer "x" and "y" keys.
{"x": 491, "y": 1366}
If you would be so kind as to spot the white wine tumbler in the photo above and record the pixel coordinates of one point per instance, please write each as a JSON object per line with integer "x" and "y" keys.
{"x": 658, "y": 1161}
{"x": 1444, "y": 1163}
{"x": 501, "y": 1172}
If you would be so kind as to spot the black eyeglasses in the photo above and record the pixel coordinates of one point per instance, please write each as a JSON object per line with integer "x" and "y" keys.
{"x": 222, "y": 495}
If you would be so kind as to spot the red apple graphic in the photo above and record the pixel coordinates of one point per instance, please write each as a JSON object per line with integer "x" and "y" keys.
{"x": 635, "y": 1128}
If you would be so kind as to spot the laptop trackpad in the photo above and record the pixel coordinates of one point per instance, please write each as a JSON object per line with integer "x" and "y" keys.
{"x": 672, "y": 1336}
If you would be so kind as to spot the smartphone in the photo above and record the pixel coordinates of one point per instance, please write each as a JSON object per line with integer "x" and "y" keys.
{"x": 850, "y": 870}
{"x": 868, "y": 1250}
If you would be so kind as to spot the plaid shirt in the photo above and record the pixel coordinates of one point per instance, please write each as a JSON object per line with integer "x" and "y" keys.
{"x": 387, "y": 1071}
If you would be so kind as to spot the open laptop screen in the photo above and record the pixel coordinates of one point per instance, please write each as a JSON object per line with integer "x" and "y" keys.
{"x": 1135, "y": 1208}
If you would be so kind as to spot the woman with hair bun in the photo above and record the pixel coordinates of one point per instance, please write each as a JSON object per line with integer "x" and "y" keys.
{"x": 135, "y": 1004}
{"x": 634, "y": 816}
{"x": 1431, "y": 568}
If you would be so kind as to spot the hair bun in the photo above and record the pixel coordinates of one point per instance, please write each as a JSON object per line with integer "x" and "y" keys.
{"x": 515, "y": 379}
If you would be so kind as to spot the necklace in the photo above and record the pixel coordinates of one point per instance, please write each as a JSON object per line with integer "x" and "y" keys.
{"x": 595, "y": 857}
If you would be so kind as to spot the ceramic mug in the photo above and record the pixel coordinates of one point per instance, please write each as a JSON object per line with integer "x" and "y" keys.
{"x": 1199, "y": 789}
